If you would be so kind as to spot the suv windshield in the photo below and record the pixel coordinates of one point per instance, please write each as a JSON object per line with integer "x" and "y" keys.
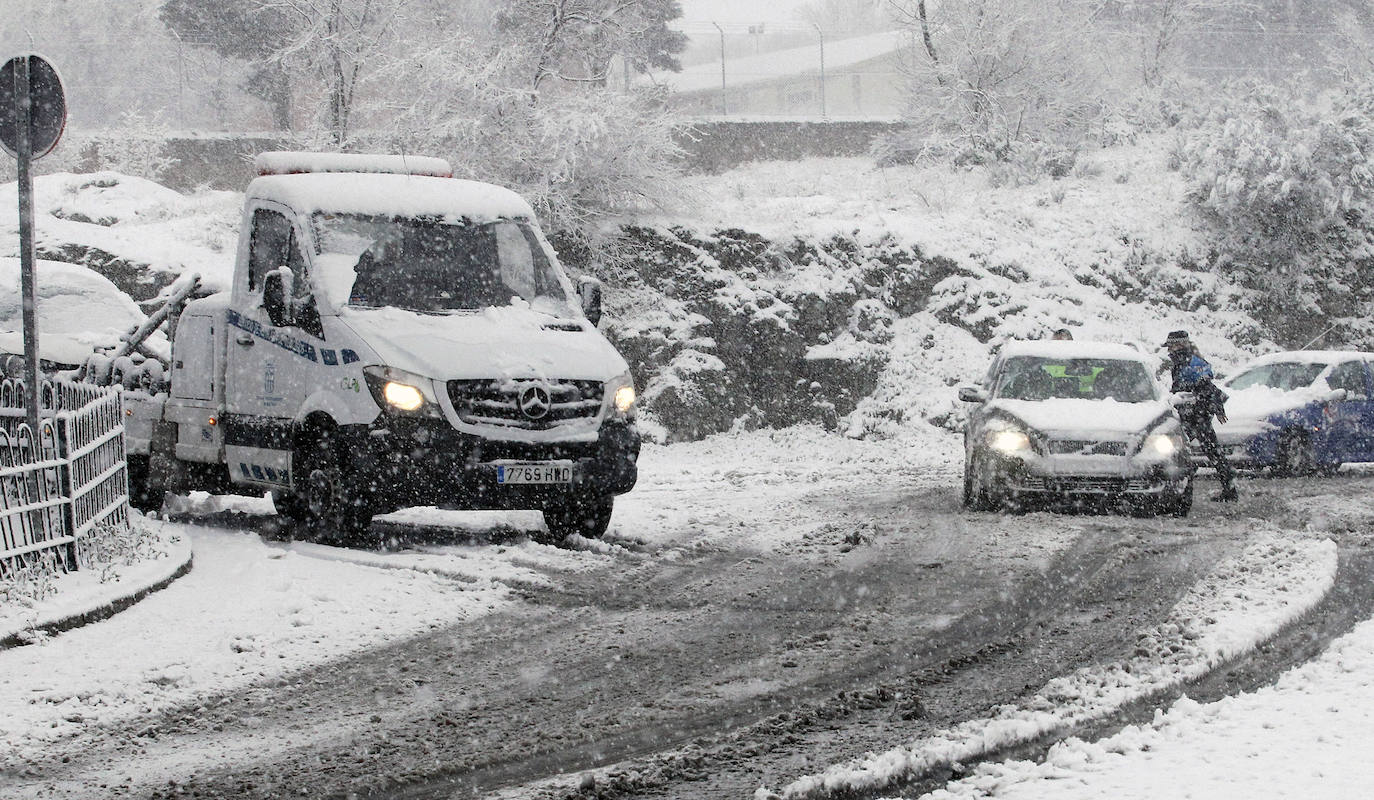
{"x": 1035, "y": 378}
{"x": 433, "y": 265}
{"x": 1286, "y": 375}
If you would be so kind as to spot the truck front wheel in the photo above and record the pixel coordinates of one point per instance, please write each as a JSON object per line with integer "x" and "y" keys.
{"x": 321, "y": 505}
{"x": 588, "y": 518}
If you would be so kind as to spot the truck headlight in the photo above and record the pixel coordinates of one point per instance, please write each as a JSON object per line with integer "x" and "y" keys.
{"x": 1008, "y": 441}
{"x": 621, "y": 390}
{"x": 398, "y": 391}
{"x": 403, "y": 396}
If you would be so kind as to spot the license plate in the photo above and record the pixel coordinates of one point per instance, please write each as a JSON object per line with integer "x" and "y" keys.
{"x": 533, "y": 473}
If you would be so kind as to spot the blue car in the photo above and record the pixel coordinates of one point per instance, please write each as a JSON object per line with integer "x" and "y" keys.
{"x": 1300, "y": 412}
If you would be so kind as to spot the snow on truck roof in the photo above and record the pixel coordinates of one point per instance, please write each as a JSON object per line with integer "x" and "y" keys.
{"x": 1055, "y": 348}
{"x": 290, "y": 162}
{"x": 392, "y": 195}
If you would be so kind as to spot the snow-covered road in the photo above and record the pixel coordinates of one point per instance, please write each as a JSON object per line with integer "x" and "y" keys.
{"x": 777, "y": 603}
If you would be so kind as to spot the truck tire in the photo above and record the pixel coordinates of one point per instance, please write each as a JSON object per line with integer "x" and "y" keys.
{"x": 589, "y": 519}
{"x": 321, "y": 507}
{"x": 142, "y": 496}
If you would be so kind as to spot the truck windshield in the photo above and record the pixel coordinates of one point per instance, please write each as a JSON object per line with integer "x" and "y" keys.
{"x": 435, "y": 265}
{"x": 1031, "y": 378}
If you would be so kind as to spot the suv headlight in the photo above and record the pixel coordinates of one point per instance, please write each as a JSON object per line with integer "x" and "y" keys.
{"x": 399, "y": 392}
{"x": 1162, "y": 445}
{"x": 620, "y": 396}
{"x": 1008, "y": 440}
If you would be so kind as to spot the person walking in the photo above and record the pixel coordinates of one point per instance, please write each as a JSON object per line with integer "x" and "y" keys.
{"x": 1191, "y": 373}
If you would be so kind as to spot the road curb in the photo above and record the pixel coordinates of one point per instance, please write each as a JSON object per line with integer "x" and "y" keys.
{"x": 103, "y": 611}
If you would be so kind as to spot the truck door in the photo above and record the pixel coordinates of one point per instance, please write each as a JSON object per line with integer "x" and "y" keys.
{"x": 266, "y": 375}
{"x": 193, "y": 358}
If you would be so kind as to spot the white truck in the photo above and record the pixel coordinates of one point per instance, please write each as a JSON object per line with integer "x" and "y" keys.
{"x": 393, "y": 337}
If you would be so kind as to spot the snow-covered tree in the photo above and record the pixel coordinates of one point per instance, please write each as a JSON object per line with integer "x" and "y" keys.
{"x": 241, "y": 31}
{"x": 989, "y": 74}
{"x": 576, "y": 40}
{"x": 575, "y": 149}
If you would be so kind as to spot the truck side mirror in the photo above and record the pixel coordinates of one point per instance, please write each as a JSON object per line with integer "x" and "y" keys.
{"x": 589, "y": 292}
{"x": 277, "y": 288}
{"x": 972, "y": 394}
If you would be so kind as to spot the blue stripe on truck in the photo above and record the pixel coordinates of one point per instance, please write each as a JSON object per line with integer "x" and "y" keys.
{"x": 289, "y": 343}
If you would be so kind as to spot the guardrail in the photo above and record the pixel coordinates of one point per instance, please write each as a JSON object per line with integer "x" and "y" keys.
{"x": 58, "y": 485}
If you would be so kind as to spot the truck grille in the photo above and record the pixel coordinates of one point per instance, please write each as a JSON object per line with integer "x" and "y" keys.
{"x": 528, "y": 404}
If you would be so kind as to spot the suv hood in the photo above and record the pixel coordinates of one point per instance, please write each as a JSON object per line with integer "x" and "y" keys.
{"x": 491, "y": 343}
{"x": 1079, "y": 417}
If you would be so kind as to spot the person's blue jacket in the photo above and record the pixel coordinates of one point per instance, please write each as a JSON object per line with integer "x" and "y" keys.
{"x": 1190, "y": 375}
{"x": 1195, "y": 375}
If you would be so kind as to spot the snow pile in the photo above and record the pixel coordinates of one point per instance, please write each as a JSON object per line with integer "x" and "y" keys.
{"x": 136, "y": 233}
{"x": 1238, "y": 605}
{"x": 247, "y": 612}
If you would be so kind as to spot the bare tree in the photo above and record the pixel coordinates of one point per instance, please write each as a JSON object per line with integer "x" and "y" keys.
{"x": 1160, "y": 26}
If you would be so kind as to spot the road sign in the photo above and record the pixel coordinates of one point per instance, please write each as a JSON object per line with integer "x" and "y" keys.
{"x": 47, "y": 109}
{"x": 33, "y": 112}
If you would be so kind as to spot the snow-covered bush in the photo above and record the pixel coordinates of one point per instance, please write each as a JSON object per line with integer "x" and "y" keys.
{"x": 1286, "y": 182}
{"x": 106, "y": 548}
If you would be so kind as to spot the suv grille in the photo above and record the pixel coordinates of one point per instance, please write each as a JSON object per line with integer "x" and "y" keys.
{"x": 1066, "y": 446}
{"x": 528, "y": 404}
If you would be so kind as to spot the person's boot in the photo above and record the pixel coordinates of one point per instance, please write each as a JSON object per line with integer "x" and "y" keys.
{"x": 1226, "y": 495}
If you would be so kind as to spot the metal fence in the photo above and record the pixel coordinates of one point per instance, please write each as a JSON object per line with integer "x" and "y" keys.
{"x": 59, "y": 485}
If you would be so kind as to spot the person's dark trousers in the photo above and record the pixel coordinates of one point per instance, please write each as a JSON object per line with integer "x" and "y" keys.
{"x": 1199, "y": 428}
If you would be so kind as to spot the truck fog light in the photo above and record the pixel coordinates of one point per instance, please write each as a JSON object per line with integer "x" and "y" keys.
{"x": 624, "y": 399}
{"x": 403, "y": 396}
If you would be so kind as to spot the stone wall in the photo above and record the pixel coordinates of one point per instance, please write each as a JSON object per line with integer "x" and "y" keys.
{"x": 226, "y": 162}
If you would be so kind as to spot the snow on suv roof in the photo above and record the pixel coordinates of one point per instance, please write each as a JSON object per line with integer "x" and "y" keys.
{"x": 1056, "y": 348}
{"x": 1308, "y": 357}
{"x": 392, "y": 195}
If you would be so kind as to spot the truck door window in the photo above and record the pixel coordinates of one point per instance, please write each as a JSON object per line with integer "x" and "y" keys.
{"x": 274, "y": 245}
{"x": 270, "y": 246}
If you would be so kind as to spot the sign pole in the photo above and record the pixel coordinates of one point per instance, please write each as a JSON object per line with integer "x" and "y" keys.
{"x": 28, "y": 278}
